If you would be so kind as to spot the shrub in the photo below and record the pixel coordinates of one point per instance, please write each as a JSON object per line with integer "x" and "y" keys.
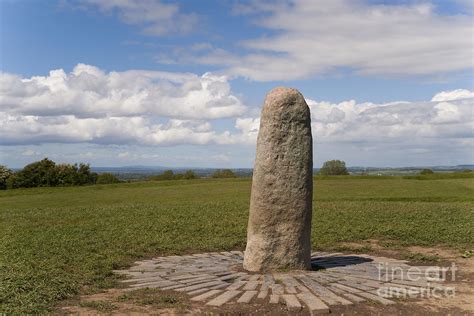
{"x": 441, "y": 175}
{"x": 85, "y": 175}
{"x": 426, "y": 171}
{"x": 37, "y": 174}
{"x": 107, "y": 178}
{"x": 73, "y": 175}
{"x": 188, "y": 175}
{"x": 178, "y": 176}
{"x": 11, "y": 182}
{"x": 167, "y": 175}
{"x": 225, "y": 173}
{"x": 333, "y": 168}
{"x": 46, "y": 173}
{"x": 170, "y": 175}
{"x": 5, "y": 174}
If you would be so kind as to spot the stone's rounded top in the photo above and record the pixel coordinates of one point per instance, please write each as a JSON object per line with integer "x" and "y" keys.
{"x": 281, "y": 96}
{"x": 283, "y": 90}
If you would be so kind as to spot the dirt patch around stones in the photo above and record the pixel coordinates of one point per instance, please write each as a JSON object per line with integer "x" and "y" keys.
{"x": 336, "y": 270}
{"x": 462, "y": 302}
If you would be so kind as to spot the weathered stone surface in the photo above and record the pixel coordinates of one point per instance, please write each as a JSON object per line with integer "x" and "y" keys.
{"x": 313, "y": 302}
{"x": 279, "y": 228}
{"x": 223, "y": 298}
{"x": 274, "y": 299}
{"x": 206, "y": 295}
{"x": 291, "y": 302}
{"x": 247, "y": 297}
{"x": 262, "y": 294}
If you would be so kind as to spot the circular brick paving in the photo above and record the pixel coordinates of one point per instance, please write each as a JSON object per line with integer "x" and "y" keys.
{"x": 337, "y": 279}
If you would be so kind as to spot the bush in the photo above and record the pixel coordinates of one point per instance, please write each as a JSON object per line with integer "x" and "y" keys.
{"x": 107, "y": 178}
{"x": 225, "y": 173}
{"x": 41, "y": 173}
{"x": 188, "y": 175}
{"x": 5, "y": 174}
{"x": 333, "y": 168}
{"x": 441, "y": 175}
{"x": 85, "y": 175}
{"x": 167, "y": 175}
{"x": 426, "y": 171}
{"x": 178, "y": 176}
{"x": 46, "y": 173}
{"x": 170, "y": 175}
{"x": 73, "y": 175}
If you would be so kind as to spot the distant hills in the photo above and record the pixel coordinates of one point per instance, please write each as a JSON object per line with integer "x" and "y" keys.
{"x": 434, "y": 168}
{"x": 140, "y": 172}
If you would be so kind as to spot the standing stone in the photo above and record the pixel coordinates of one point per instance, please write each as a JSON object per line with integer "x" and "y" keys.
{"x": 279, "y": 228}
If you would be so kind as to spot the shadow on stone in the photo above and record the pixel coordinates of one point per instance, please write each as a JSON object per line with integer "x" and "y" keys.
{"x": 318, "y": 263}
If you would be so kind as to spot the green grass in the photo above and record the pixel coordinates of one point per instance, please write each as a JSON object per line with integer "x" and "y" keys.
{"x": 439, "y": 176}
{"x": 419, "y": 257}
{"x": 153, "y": 297}
{"x": 59, "y": 242}
{"x": 468, "y": 254}
{"x": 100, "y": 306}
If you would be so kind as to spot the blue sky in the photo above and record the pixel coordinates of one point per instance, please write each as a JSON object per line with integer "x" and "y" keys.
{"x": 167, "y": 83}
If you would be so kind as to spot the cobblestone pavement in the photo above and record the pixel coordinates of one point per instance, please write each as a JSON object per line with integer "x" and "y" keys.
{"x": 337, "y": 279}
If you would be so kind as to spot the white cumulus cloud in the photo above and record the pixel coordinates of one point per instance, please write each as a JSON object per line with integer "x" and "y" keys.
{"x": 312, "y": 37}
{"x": 136, "y": 106}
{"x": 404, "y": 123}
{"x": 411, "y": 126}
{"x": 453, "y": 95}
{"x": 150, "y": 108}
{"x": 89, "y": 92}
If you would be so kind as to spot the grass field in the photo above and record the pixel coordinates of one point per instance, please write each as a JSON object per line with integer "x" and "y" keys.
{"x": 58, "y": 242}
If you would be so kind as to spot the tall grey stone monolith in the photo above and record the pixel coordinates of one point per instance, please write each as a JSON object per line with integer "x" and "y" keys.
{"x": 279, "y": 227}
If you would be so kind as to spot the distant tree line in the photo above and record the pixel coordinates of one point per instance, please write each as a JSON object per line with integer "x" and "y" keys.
{"x": 426, "y": 171}
{"x": 170, "y": 175}
{"x": 224, "y": 173}
{"x": 338, "y": 167}
{"x": 333, "y": 168}
{"x": 188, "y": 175}
{"x": 46, "y": 173}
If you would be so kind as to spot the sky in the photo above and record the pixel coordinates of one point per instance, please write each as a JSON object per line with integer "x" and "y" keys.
{"x": 182, "y": 83}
